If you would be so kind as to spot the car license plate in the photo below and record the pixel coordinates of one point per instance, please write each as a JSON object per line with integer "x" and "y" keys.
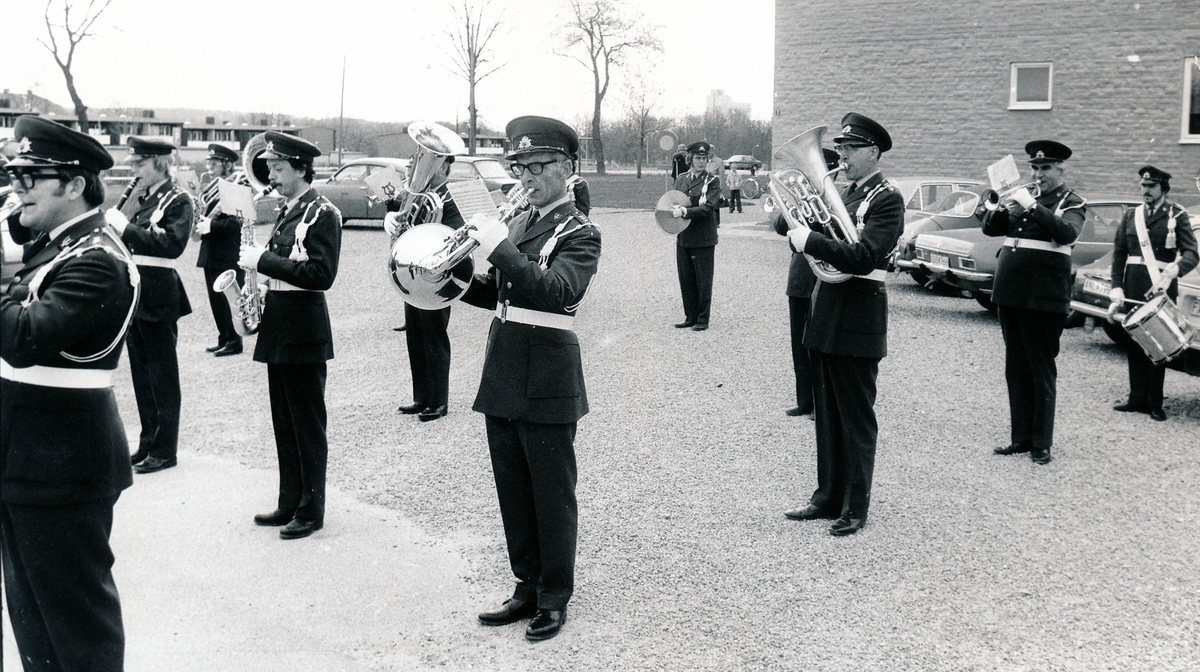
{"x": 939, "y": 260}
{"x": 1195, "y": 306}
{"x": 1096, "y": 287}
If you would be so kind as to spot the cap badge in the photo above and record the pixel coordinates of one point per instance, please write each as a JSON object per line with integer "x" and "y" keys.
{"x": 1146, "y": 175}
{"x": 525, "y": 142}
{"x": 846, "y": 129}
{"x": 25, "y": 146}
{"x": 271, "y": 147}
{"x": 1040, "y": 155}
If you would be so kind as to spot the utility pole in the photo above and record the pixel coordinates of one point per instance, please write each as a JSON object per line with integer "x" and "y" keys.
{"x": 341, "y": 113}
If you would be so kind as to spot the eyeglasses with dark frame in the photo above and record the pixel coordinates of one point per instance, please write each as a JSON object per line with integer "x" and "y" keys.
{"x": 534, "y": 167}
{"x": 28, "y": 178}
{"x": 846, "y": 148}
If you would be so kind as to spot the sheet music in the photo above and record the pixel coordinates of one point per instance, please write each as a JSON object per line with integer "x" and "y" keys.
{"x": 1004, "y": 173}
{"x": 236, "y": 200}
{"x": 384, "y": 184}
{"x": 472, "y": 196}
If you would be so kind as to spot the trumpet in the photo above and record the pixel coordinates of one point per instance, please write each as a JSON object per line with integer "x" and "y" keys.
{"x": 992, "y": 199}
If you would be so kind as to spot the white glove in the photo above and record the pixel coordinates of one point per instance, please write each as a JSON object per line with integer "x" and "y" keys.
{"x": 116, "y": 219}
{"x": 1117, "y": 297}
{"x": 391, "y": 223}
{"x": 203, "y": 226}
{"x": 799, "y": 236}
{"x": 1024, "y": 198}
{"x": 249, "y": 256}
{"x": 678, "y": 211}
{"x": 488, "y": 232}
{"x": 1169, "y": 273}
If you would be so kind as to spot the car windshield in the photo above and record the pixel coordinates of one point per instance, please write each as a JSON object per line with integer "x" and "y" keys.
{"x": 491, "y": 169}
{"x": 956, "y": 204}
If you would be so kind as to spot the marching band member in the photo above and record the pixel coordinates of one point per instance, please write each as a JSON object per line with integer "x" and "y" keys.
{"x": 64, "y": 458}
{"x": 426, "y": 330}
{"x": 532, "y": 392}
{"x": 220, "y": 238}
{"x": 696, "y": 246}
{"x": 158, "y": 228}
{"x": 1032, "y": 289}
{"x": 294, "y": 338}
{"x": 847, "y": 331}
{"x": 1161, "y": 227}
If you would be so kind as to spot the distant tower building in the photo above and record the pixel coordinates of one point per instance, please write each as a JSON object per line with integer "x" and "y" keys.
{"x": 717, "y": 101}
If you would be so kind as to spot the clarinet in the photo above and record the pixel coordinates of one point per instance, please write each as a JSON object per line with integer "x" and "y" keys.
{"x": 128, "y": 192}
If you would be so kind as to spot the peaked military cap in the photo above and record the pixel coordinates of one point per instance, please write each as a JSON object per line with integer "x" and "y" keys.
{"x": 857, "y": 129}
{"x": 284, "y": 146}
{"x": 222, "y": 153}
{"x": 147, "y": 147}
{"x": 701, "y": 147}
{"x": 1152, "y": 174}
{"x": 540, "y": 134}
{"x": 1047, "y": 151}
{"x": 45, "y": 143}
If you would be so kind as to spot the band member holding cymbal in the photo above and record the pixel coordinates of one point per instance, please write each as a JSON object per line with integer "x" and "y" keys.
{"x": 1161, "y": 227}
{"x": 696, "y": 246}
{"x": 532, "y": 392}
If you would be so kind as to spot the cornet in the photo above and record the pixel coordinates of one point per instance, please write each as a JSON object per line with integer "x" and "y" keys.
{"x": 992, "y": 199}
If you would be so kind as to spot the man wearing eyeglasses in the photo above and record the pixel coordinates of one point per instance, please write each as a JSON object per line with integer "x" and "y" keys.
{"x": 532, "y": 391}
{"x": 156, "y": 233}
{"x": 64, "y": 458}
{"x": 696, "y": 245}
{"x": 846, "y": 333}
{"x": 1032, "y": 290}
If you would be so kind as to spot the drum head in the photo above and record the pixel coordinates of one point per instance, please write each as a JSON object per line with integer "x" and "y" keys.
{"x": 662, "y": 211}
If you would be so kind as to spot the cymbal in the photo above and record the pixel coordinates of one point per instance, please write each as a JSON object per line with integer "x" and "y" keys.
{"x": 662, "y": 211}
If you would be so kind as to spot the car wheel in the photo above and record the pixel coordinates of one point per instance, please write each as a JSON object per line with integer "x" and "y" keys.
{"x": 1116, "y": 333}
{"x": 750, "y": 189}
{"x": 985, "y": 301}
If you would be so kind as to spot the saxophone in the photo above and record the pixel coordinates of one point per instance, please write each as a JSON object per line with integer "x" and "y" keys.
{"x": 245, "y": 302}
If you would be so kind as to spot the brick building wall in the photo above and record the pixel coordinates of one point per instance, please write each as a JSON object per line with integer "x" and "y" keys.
{"x": 936, "y": 74}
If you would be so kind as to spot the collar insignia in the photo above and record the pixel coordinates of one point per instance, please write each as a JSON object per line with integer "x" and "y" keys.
{"x": 25, "y": 146}
{"x": 525, "y": 143}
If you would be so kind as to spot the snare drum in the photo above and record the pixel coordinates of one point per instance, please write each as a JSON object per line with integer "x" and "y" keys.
{"x": 1160, "y": 328}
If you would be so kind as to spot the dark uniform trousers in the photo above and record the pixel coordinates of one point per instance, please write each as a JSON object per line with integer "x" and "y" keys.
{"x": 798, "y": 310}
{"x": 160, "y": 225}
{"x": 295, "y": 340}
{"x": 532, "y": 394}
{"x": 1032, "y": 291}
{"x": 429, "y": 354}
{"x": 1145, "y": 377}
{"x": 846, "y": 336}
{"x": 696, "y": 245}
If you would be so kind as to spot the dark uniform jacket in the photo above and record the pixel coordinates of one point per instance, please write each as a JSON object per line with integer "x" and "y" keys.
{"x": 580, "y": 194}
{"x": 1135, "y": 278}
{"x": 220, "y": 247}
{"x": 160, "y": 227}
{"x": 704, "y": 190}
{"x": 850, "y": 318}
{"x": 531, "y": 373}
{"x": 1032, "y": 278}
{"x": 303, "y": 252}
{"x": 801, "y": 278}
{"x": 62, "y": 445}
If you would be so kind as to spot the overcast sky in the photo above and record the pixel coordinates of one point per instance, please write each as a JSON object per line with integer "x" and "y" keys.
{"x": 274, "y": 57}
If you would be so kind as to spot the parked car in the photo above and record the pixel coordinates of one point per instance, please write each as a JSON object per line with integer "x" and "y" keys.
{"x": 347, "y": 189}
{"x": 10, "y": 252}
{"x": 966, "y": 259}
{"x": 743, "y": 162}
{"x": 922, "y": 193}
{"x": 1089, "y": 306}
{"x": 489, "y": 169}
{"x": 955, "y": 210}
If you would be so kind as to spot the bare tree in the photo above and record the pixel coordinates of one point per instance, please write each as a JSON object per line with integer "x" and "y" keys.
{"x": 609, "y": 32}
{"x": 70, "y": 34}
{"x": 642, "y": 97}
{"x": 472, "y": 59}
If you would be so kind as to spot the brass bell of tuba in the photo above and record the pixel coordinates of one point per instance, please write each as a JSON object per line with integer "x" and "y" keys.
{"x": 806, "y": 196}
{"x": 419, "y": 203}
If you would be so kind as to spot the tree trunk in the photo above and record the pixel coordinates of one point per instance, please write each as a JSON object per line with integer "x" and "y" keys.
{"x": 80, "y": 108}
{"x": 471, "y": 126}
{"x": 597, "y": 143}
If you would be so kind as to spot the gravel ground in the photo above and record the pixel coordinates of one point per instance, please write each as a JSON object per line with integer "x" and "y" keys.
{"x": 969, "y": 561}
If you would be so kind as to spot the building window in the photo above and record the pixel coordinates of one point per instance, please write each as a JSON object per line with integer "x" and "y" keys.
{"x": 1031, "y": 86}
{"x": 1190, "y": 128}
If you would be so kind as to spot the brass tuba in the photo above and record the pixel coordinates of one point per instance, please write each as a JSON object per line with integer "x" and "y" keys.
{"x": 255, "y": 167}
{"x": 806, "y": 196}
{"x": 419, "y": 204}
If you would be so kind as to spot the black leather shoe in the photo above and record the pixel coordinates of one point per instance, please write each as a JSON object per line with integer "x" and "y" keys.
{"x": 545, "y": 624}
{"x": 298, "y": 529}
{"x": 138, "y": 457}
{"x": 796, "y": 411}
{"x": 432, "y": 414}
{"x": 400, "y": 328}
{"x": 685, "y": 325}
{"x": 810, "y": 512}
{"x": 700, "y": 326}
{"x": 152, "y": 464}
{"x": 214, "y": 348}
{"x": 231, "y": 348}
{"x": 412, "y": 409}
{"x": 1129, "y": 407}
{"x": 846, "y": 526}
{"x": 511, "y": 611}
{"x": 1011, "y": 449}
{"x": 276, "y": 518}
{"x": 1040, "y": 456}
{"x": 1158, "y": 414}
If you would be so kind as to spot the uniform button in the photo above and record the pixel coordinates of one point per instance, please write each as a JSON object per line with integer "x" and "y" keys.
{"x": 16, "y": 279}
{"x": 508, "y": 285}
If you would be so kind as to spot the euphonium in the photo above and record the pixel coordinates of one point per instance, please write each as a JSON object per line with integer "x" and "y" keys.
{"x": 807, "y": 197}
{"x": 419, "y": 203}
{"x": 431, "y": 264}
{"x": 245, "y": 302}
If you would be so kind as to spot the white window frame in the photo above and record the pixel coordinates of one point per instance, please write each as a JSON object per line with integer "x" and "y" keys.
{"x": 1191, "y": 74}
{"x": 1013, "y": 104}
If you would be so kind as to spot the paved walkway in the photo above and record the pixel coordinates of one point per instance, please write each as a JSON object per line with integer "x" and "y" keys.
{"x": 203, "y": 588}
